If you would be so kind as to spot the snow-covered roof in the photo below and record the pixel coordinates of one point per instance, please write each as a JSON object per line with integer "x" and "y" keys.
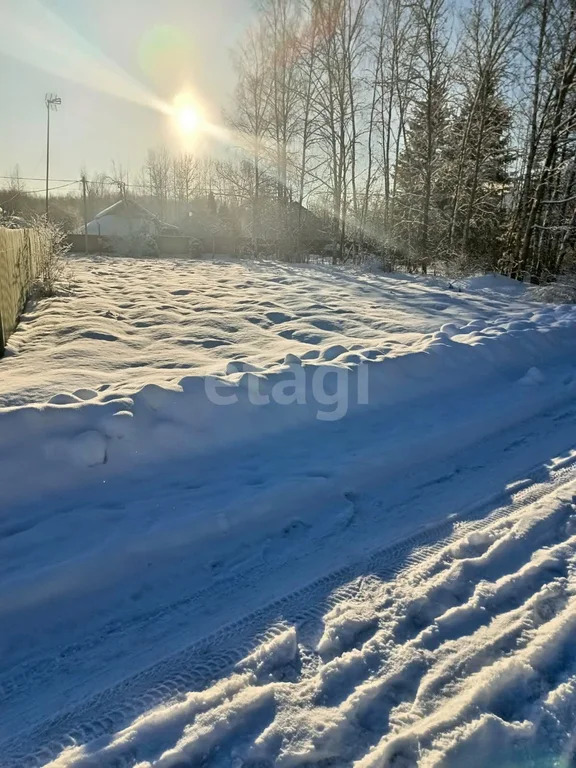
{"x": 127, "y": 209}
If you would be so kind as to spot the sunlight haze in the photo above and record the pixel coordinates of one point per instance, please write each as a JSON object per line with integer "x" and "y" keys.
{"x": 114, "y": 68}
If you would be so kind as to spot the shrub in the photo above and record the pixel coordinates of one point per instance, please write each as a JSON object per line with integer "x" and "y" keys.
{"x": 54, "y": 269}
{"x": 138, "y": 244}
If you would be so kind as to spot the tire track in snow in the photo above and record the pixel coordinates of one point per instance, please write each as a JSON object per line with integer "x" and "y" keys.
{"x": 204, "y": 661}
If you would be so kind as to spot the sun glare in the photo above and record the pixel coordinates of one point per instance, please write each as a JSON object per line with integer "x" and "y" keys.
{"x": 186, "y": 115}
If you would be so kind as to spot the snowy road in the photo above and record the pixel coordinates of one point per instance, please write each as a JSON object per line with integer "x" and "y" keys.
{"x": 335, "y": 626}
{"x": 392, "y": 588}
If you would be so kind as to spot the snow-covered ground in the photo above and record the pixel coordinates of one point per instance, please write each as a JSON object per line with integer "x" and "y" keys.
{"x": 465, "y": 658}
{"x": 364, "y": 557}
{"x": 131, "y": 322}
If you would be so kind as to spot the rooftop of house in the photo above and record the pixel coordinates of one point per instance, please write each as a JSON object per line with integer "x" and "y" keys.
{"x": 127, "y": 209}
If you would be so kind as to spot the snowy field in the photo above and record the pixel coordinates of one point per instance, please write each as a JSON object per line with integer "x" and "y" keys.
{"x": 365, "y": 557}
{"x": 130, "y": 322}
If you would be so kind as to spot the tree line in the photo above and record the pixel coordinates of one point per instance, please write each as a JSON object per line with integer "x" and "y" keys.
{"x": 436, "y": 133}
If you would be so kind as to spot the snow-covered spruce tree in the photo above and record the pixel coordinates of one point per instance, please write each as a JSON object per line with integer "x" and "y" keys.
{"x": 420, "y": 218}
{"x": 480, "y": 133}
{"x": 420, "y": 221}
{"x": 478, "y": 178}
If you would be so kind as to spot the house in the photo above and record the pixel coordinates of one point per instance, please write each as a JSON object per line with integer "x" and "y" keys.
{"x": 282, "y": 220}
{"x": 126, "y": 218}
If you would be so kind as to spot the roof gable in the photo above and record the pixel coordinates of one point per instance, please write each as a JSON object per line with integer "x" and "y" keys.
{"x": 127, "y": 209}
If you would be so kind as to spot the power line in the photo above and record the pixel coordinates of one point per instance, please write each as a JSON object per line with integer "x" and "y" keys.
{"x": 32, "y": 191}
{"x": 110, "y": 183}
{"x": 31, "y": 178}
{"x": 72, "y": 181}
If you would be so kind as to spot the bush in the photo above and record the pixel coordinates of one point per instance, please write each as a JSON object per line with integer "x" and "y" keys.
{"x": 54, "y": 269}
{"x": 561, "y": 292}
{"x": 140, "y": 244}
{"x": 195, "y": 248}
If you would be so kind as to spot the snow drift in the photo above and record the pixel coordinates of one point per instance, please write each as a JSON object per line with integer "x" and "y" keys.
{"x": 202, "y": 414}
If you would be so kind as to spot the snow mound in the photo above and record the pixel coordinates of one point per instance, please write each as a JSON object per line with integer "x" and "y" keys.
{"x": 494, "y": 283}
{"x": 88, "y": 449}
{"x": 532, "y": 377}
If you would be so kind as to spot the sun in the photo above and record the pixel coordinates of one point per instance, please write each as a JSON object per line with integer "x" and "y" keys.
{"x": 186, "y": 115}
{"x": 188, "y": 119}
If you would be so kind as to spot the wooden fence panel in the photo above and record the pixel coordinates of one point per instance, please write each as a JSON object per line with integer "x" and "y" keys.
{"x": 20, "y": 258}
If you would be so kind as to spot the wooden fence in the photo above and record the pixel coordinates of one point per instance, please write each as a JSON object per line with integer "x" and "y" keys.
{"x": 175, "y": 245}
{"x": 166, "y": 244}
{"x": 20, "y": 251}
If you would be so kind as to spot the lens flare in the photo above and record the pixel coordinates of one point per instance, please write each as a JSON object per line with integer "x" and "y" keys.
{"x": 31, "y": 32}
{"x": 166, "y": 56}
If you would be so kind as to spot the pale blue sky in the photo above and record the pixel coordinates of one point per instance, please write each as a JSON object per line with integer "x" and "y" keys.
{"x": 143, "y": 49}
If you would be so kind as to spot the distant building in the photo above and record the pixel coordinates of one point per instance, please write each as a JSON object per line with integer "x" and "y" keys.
{"x": 126, "y": 218}
{"x": 281, "y": 219}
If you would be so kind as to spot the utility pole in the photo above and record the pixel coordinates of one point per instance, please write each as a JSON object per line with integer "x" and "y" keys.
{"x": 85, "y": 205}
{"x": 52, "y": 103}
